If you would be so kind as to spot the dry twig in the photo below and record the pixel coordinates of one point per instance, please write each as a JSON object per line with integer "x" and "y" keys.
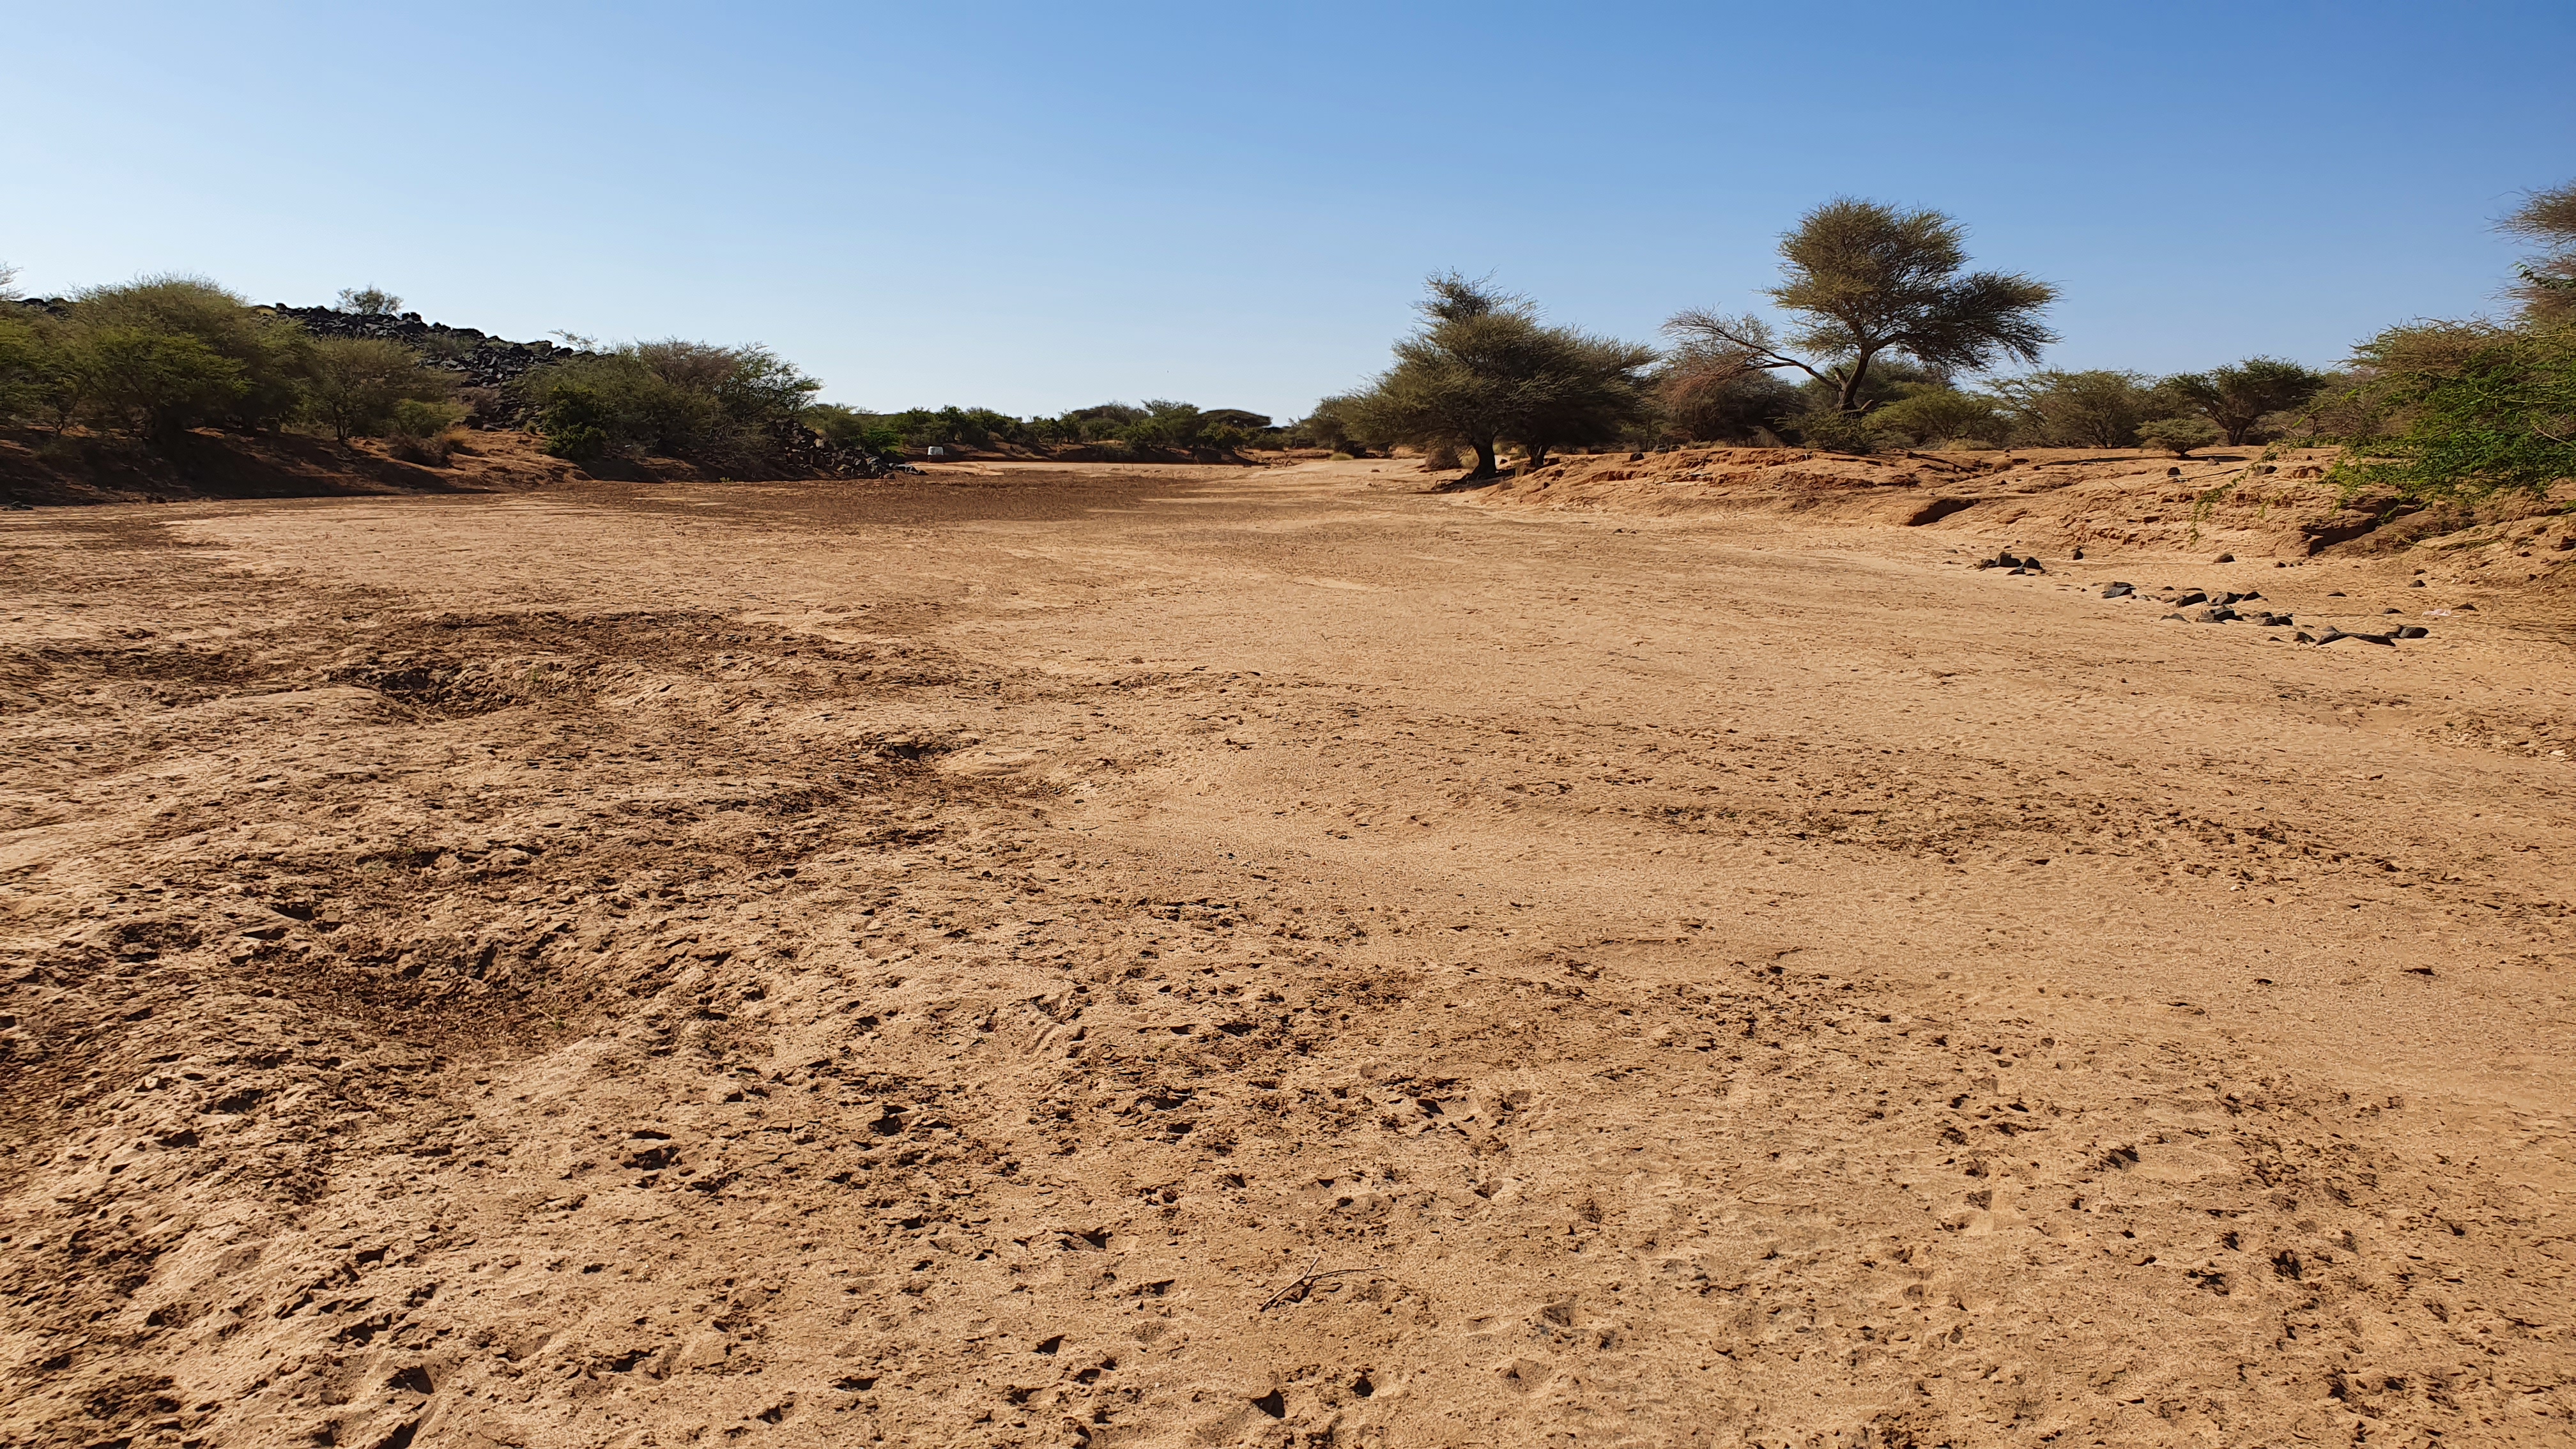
{"x": 1304, "y": 1283}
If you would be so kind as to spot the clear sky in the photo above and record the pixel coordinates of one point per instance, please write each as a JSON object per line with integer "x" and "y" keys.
{"x": 1040, "y": 206}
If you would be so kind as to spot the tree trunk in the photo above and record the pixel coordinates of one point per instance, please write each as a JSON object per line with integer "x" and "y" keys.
{"x": 1484, "y": 459}
{"x": 1849, "y": 401}
{"x": 1537, "y": 456}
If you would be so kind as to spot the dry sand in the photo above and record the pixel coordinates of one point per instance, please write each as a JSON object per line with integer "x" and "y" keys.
{"x": 1048, "y": 956}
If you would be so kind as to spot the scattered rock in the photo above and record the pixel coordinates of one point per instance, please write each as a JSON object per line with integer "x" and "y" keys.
{"x": 2118, "y": 591}
{"x": 477, "y": 358}
{"x": 2413, "y": 631}
{"x": 2224, "y": 558}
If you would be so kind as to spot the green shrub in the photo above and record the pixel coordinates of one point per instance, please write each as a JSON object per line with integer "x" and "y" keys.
{"x": 2097, "y": 409}
{"x": 845, "y": 427}
{"x": 425, "y": 430}
{"x": 1940, "y": 414}
{"x": 267, "y": 357}
{"x": 579, "y": 442}
{"x": 356, "y": 384}
{"x": 1100, "y": 423}
{"x": 2240, "y": 396}
{"x": 722, "y": 406}
{"x": 157, "y": 384}
{"x": 34, "y": 374}
{"x": 1327, "y": 427}
{"x": 956, "y": 427}
{"x": 424, "y": 417}
{"x": 2179, "y": 436}
{"x": 1833, "y": 430}
{"x": 2470, "y": 409}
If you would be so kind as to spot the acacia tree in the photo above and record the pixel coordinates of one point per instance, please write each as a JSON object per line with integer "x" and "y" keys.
{"x": 1484, "y": 368}
{"x": 1937, "y": 413}
{"x": 2237, "y": 397}
{"x": 369, "y": 301}
{"x": 1867, "y": 281}
{"x": 264, "y": 358}
{"x": 1702, "y": 396}
{"x": 356, "y": 384}
{"x": 2096, "y": 409}
{"x": 2468, "y": 409}
{"x": 2548, "y": 289}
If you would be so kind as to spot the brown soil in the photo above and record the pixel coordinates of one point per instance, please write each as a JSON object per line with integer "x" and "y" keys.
{"x": 2247, "y": 501}
{"x": 1048, "y": 955}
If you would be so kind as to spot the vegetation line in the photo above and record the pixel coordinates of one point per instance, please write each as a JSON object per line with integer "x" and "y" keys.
{"x": 1891, "y": 342}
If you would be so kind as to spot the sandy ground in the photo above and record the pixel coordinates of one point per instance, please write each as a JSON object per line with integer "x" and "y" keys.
{"x": 1048, "y": 956}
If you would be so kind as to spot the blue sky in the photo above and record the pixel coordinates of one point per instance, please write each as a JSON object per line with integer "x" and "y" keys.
{"x": 1035, "y": 207}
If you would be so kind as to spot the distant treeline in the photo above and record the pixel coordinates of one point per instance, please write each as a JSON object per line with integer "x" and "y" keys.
{"x": 1158, "y": 426}
{"x": 1892, "y": 342}
{"x": 153, "y": 359}
{"x": 156, "y": 358}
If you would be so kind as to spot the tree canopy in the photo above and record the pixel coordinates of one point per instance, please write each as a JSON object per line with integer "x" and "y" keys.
{"x": 1866, "y": 280}
{"x": 369, "y": 301}
{"x": 2100, "y": 408}
{"x": 2469, "y": 408}
{"x": 720, "y": 405}
{"x": 1483, "y": 369}
{"x": 355, "y": 384}
{"x": 2548, "y": 289}
{"x": 2238, "y": 397}
{"x": 1940, "y": 414}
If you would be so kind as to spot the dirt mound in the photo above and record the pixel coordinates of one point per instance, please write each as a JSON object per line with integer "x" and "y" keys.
{"x": 2236, "y": 501}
